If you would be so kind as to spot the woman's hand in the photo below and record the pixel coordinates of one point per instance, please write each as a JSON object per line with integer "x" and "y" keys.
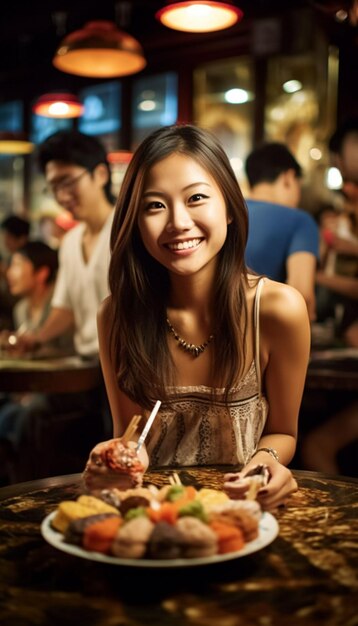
{"x": 280, "y": 486}
{"x": 99, "y": 475}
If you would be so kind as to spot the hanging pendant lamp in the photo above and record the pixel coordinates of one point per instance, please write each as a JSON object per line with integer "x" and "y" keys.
{"x": 58, "y": 105}
{"x": 15, "y": 143}
{"x": 99, "y": 50}
{"x": 121, "y": 157}
{"x": 199, "y": 16}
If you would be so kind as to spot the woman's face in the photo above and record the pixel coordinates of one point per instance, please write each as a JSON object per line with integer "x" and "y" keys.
{"x": 183, "y": 217}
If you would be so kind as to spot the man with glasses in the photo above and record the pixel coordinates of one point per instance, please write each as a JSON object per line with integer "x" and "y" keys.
{"x": 78, "y": 177}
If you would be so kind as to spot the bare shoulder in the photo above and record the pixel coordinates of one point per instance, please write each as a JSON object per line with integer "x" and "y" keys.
{"x": 282, "y": 306}
{"x": 104, "y": 311}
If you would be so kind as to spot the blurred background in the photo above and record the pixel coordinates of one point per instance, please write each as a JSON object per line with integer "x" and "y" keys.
{"x": 285, "y": 71}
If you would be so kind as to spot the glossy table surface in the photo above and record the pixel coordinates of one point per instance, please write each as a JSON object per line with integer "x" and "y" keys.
{"x": 51, "y": 375}
{"x": 307, "y": 576}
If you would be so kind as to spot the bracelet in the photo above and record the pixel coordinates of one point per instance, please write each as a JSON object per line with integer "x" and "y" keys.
{"x": 271, "y": 451}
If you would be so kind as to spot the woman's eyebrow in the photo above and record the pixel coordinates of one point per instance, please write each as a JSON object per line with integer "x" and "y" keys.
{"x": 153, "y": 192}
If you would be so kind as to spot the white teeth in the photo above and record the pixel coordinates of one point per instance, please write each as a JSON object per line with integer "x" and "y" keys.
{"x": 184, "y": 245}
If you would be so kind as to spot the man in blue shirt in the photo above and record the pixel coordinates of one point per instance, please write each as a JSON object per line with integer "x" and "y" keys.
{"x": 283, "y": 241}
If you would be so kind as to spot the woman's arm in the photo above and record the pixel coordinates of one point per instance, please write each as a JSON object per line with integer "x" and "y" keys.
{"x": 97, "y": 475}
{"x": 284, "y": 349}
{"x": 122, "y": 408}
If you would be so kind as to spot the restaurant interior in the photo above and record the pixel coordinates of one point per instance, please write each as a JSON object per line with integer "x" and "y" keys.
{"x": 91, "y": 535}
{"x": 283, "y": 72}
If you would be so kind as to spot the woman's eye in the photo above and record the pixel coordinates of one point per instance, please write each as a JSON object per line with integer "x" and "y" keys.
{"x": 197, "y": 197}
{"x": 155, "y": 204}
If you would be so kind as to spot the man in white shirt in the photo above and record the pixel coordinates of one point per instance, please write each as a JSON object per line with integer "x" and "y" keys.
{"x": 78, "y": 176}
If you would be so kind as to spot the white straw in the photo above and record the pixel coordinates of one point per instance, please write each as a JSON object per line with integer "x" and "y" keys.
{"x": 146, "y": 428}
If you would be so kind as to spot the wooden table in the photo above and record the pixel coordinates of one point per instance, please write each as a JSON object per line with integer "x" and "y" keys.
{"x": 60, "y": 436}
{"x": 335, "y": 369}
{"x": 50, "y": 375}
{"x": 306, "y": 577}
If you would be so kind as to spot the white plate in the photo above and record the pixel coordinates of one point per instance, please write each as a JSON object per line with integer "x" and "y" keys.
{"x": 268, "y": 531}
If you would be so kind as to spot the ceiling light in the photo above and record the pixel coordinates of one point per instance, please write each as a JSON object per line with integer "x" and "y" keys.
{"x": 15, "y": 143}
{"x": 237, "y": 96}
{"x": 333, "y": 178}
{"x": 99, "y": 50}
{"x": 290, "y": 86}
{"x": 58, "y": 105}
{"x": 199, "y": 16}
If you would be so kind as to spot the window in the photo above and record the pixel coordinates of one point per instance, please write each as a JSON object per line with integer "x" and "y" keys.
{"x": 11, "y": 166}
{"x": 102, "y": 114}
{"x": 223, "y": 103}
{"x": 154, "y": 104}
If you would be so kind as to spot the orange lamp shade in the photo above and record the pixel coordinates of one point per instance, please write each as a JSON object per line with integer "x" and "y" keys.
{"x": 199, "y": 16}
{"x": 99, "y": 50}
{"x": 58, "y": 105}
{"x": 15, "y": 143}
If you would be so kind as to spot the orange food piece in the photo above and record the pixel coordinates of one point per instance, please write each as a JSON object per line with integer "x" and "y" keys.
{"x": 231, "y": 545}
{"x": 99, "y": 537}
{"x": 230, "y": 538}
{"x": 168, "y": 512}
{"x": 189, "y": 495}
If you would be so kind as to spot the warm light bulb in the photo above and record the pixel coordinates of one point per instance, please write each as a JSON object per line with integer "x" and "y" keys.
{"x": 58, "y": 105}
{"x": 200, "y": 16}
{"x": 58, "y": 109}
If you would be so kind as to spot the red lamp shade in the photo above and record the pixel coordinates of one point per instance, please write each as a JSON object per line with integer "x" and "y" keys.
{"x": 58, "y": 105}
{"x": 199, "y": 16}
{"x": 99, "y": 50}
{"x": 119, "y": 156}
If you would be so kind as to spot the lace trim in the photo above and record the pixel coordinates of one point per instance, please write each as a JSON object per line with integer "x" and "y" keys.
{"x": 218, "y": 390}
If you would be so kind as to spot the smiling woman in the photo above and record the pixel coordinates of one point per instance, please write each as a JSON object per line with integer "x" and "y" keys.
{"x": 178, "y": 280}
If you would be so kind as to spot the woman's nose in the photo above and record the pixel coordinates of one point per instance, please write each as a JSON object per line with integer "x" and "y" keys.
{"x": 179, "y": 218}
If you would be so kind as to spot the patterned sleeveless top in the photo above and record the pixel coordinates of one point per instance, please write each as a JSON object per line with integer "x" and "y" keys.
{"x": 196, "y": 427}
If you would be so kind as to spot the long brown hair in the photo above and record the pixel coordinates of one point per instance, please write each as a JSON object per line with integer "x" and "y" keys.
{"x": 139, "y": 285}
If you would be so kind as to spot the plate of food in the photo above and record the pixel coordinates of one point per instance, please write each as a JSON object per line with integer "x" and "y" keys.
{"x": 171, "y": 527}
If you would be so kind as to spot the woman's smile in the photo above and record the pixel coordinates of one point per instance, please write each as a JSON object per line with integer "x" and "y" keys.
{"x": 184, "y": 245}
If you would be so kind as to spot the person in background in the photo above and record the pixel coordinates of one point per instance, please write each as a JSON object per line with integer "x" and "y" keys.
{"x": 340, "y": 285}
{"x": 78, "y": 176}
{"x": 283, "y": 241}
{"x": 230, "y": 376}
{"x": 15, "y": 231}
{"x": 324, "y": 445}
{"x": 31, "y": 277}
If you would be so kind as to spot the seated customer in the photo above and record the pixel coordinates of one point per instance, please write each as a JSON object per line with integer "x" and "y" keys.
{"x": 15, "y": 233}
{"x": 283, "y": 241}
{"x": 338, "y": 286}
{"x": 31, "y": 276}
{"x": 78, "y": 177}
